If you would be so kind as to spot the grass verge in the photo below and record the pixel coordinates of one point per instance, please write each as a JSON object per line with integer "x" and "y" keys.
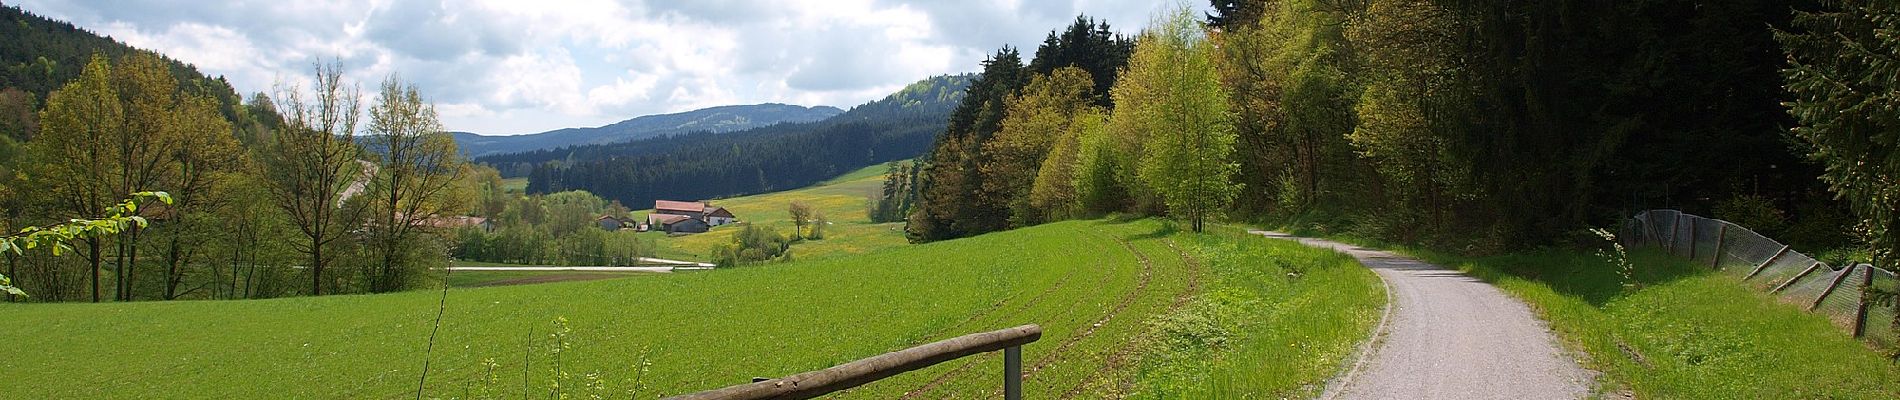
{"x": 1277, "y": 320}
{"x": 1676, "y": 330}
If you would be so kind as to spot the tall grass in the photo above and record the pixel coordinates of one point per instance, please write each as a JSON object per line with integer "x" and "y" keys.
{"x": 1277, "y": 320}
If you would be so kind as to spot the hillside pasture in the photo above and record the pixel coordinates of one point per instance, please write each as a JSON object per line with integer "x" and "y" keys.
{"x": 842, "y": 200}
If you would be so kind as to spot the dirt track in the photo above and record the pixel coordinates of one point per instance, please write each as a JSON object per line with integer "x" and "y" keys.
{"x": 1450, "y": 336}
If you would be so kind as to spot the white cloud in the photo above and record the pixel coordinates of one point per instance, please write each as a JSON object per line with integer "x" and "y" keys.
{"x": 507, "y": 67}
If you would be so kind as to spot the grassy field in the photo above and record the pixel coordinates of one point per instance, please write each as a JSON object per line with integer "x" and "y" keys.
{"x": 842, "y": 200}
{"x": 1679, "y": 331}
{"x": 515, "y": 185}
{"x": 1128, "y": 307}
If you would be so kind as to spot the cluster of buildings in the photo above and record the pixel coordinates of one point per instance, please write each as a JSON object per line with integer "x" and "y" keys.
{"x": 673, "y": 217}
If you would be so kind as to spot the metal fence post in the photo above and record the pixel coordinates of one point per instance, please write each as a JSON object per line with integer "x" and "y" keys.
{"x": 1013, "y": 373}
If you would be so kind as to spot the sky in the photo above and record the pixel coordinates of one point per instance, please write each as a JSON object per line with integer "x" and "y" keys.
{"x": 502, "y": 67}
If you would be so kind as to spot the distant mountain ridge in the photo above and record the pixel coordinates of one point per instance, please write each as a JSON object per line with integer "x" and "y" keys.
{"x": 697, "y": 166}
{"x": 714, "y": 120}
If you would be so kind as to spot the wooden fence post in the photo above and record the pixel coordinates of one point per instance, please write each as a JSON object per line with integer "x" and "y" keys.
{"x": 1860, "y": 315}
{"x": 1764, "y": 264}
{"x": 1830, "y": 287}
{"x": 1675, "y": 225}
{"x": 1797, "y": 277}
{"x": 1649, "y": 227}
{"x": 1691, "y": 239}
{"x": 1721, "y": 238}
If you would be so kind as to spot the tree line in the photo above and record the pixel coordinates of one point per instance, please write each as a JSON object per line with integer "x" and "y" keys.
{"x": 285, "y": 189}
{"x": 777, "y": 157}
{"x": 552, "y": 229}
{"x": 1475, "y": 125}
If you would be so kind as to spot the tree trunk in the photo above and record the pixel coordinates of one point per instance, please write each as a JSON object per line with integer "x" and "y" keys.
{"x": 316, "y": 266}
{"x": 13, "y": 266}
{"x": 172, "y": 271}
{"x": 97, "y": 264}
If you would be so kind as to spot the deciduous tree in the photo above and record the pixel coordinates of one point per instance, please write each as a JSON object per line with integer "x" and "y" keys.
{"x": 1171, "y": 96}
{"x": 76, "y": 164}
{"x": 414, "y": 179}
{"x": 311, "y": 164}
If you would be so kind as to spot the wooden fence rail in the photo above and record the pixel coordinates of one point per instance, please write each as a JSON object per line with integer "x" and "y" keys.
{"x": 856, "y": 373}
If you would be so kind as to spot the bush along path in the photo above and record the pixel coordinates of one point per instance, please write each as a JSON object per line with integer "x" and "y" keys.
{"x": 1450, "y": 336}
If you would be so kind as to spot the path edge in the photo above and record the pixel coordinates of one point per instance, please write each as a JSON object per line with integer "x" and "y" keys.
{"x": 1336, "y": 385}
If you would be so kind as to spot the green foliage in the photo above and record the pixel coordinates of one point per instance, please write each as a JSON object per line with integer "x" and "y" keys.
{"x": 412, "y": 185}
{"x": 42, "y": 54}
{"x": 554, "y": 229}
{"x": 1170, "y": 97}
{"x": 894, "y": 201}
{"x": 1038, "y": 120}
{"x": 1842, "y": 76}
{"x": 312, "y": 161}
{"x": 56, "y": 238}
{"x": 976, "y": 156}
{"x": 952, "y": 169}
{"x": 1758, "y": 213}
{"x": 802, "y": 215}
{"x": 753, "y": 244}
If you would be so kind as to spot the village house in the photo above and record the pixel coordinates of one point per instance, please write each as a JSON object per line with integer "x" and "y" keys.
{"x": 687, "y": 216}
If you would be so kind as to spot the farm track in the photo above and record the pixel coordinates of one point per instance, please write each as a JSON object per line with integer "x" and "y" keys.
{"x": 1048, "y": 359}
{"x": 1118, "y": 360}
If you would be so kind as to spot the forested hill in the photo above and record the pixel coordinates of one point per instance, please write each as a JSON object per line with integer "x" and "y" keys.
{"x": 38, "y": 55}
{"x": 715, "y": 119}
{"x": 706, "y": 165}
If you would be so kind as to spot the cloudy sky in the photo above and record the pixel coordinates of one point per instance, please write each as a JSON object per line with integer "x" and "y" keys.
{"x": 512, "y": 67}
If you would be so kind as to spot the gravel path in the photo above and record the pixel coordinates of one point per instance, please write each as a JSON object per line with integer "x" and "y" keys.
{"x": 1450, "y": 336}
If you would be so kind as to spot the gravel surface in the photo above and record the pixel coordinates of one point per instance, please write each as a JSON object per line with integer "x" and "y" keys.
{"x": 1450, "y": 336}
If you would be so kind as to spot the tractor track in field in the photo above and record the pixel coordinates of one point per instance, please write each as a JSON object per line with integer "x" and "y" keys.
{"x": 1147, "y": 268}
{"x": 1126, "y": 353}
{"x": 1141, "y": 286}
{"x": 1033, "y": 300}
{"x": 948, "y": 375}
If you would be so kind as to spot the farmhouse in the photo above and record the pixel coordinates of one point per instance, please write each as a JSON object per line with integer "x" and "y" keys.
{"x": 687, "y": 216}
{"x": 613, "y": 223}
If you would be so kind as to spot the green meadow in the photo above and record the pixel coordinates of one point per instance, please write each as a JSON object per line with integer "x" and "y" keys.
{"x": 1128, "y": 308}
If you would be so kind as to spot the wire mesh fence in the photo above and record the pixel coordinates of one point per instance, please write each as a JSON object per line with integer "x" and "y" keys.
{"x": 1839, "y": 293}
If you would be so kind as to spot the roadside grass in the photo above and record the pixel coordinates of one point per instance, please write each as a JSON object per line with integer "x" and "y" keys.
{"x": 1278, "y": 320}
{"x": 842, "y": 200}
{"x": 1681, "y": 331}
